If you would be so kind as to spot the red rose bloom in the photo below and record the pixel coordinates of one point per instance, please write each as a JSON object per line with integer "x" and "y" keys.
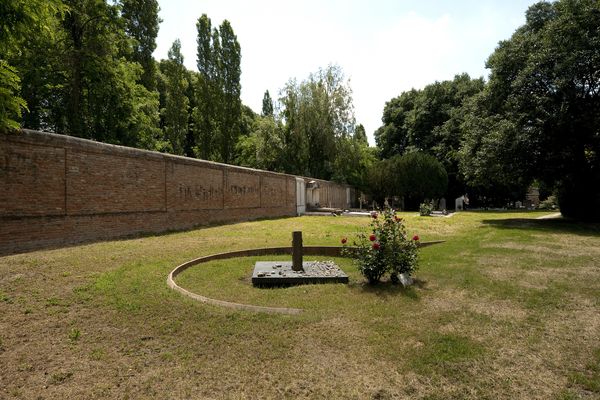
{"x": 372, "y": 237}
{"x": 376, "y": 246}
{"x": 374, "y": 215}
{"x": 344, "y": 240}
{"x": 416, "y": 237}
{"x": 398, "y": 219}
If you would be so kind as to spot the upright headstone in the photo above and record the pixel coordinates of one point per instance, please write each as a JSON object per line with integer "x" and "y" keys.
{"x": 459, "y": 203}
{"x": 442, "y": 204}
{"x": 297, "y": 251}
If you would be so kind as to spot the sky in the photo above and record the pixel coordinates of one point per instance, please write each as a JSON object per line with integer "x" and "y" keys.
{"x": 384, "y": 47}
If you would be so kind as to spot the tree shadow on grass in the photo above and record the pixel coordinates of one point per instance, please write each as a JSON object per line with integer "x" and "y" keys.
{"x": 558, "y": 225}
{"x": 387, "y": 289}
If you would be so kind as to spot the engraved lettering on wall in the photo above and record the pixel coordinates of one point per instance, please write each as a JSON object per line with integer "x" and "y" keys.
{"x": 193, "y": 187}
{"x": 243, "y": 190}
{"x": 199, "y": 192}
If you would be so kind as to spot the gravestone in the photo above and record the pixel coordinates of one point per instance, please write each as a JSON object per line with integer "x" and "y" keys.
{"x": 459, "y": 203}
{"x": 297, "y": 271}
{"x": 442, "y": 204}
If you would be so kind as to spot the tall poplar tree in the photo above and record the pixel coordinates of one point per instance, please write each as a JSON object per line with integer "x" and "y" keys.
{"x": 218, "y": 113}
{"x": 267, "y": 105}
{"x": 230, "y": 58}
{"x": 141, "y": 24}
{"x": 175, "y": 112}
{"x": 203, "y": 114}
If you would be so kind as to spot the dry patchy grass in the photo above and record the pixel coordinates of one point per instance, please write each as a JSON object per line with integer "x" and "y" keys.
{"x": 507, "y": 308}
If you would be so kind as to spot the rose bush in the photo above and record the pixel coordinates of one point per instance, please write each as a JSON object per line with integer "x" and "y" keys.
{"x": 386, "y": 249}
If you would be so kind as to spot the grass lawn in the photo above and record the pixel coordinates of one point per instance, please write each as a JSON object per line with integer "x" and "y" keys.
{"x": 507, "y": 308}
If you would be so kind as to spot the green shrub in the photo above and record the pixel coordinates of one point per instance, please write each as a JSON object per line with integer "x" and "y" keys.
{"x": 425, "y": 209}
{"x": 549, "y": 204}
{"x": 414, "y": 176}
{"x": 387, "y": 249}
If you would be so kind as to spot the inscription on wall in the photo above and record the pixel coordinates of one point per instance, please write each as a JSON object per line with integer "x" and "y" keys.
{"x": 194, "y": 187}
{"x": 199, "y": 193}
{"x": 32, "y": 180}
{"x": 243, "y": 190}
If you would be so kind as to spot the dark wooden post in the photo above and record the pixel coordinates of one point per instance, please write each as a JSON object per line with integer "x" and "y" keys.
{"x": 297, "y": 251}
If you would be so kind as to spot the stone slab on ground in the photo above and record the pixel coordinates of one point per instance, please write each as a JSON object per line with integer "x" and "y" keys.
{"x": 274, "y": 273}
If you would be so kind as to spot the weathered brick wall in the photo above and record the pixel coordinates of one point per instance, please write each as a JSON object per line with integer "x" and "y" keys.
{"x": 56, "y": 190}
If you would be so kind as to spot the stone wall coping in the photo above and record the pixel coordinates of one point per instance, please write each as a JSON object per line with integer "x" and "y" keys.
{"x": 58, "y": 140}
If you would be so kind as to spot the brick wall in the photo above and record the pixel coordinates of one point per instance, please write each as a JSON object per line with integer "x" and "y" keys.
{"x": 57, "y": 190}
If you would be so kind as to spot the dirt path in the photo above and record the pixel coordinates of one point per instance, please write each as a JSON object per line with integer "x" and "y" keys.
{"x": 550, "y": 216}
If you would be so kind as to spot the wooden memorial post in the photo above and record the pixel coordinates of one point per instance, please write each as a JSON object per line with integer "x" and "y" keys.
{"x": 297, "y": 251}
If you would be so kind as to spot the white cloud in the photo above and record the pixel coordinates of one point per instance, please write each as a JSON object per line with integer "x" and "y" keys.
{"x": 384, "y": 48}
{"x": 404, "y": 55}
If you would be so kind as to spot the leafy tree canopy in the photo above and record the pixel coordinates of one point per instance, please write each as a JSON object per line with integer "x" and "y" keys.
{"x": 21, "y": 21}
{"x": 429, "y": 120}
{"x": 318, "y": 113}
{"x": 539, "y": 116}
{"x": 414, "y": 176}
{"x": 141, "y": 25}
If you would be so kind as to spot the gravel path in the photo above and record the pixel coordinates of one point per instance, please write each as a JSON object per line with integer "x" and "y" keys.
{"x": 550, "y": 216}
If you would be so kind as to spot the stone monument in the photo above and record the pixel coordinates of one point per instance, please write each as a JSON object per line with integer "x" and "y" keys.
{"x": 297, "y": 271}
{"x": 442, "y": 204}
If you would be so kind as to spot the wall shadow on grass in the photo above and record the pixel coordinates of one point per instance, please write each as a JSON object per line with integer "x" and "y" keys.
{"x": 133, "y": 236}
{"x": 558, "y": 225}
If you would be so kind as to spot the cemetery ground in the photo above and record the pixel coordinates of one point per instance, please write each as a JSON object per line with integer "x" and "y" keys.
{"x": 508, "y": 307}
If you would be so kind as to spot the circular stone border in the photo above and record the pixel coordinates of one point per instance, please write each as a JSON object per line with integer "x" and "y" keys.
{"x": 330, "y": 251}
